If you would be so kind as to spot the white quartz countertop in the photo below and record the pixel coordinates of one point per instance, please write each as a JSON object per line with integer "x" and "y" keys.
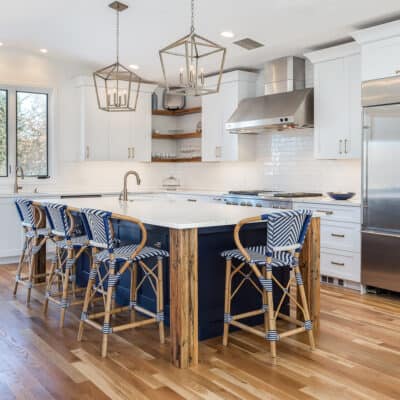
{"x": 137, "y": 192}
{"x": 170, "y": 213}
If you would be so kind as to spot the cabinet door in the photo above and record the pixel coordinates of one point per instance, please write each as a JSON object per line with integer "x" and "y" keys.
{"x": 230, "y": 142}
{"x": 10, "y": 238}
{"x": 352, "y": 142}
{"x": 381, "y": 59}
{"x": 211, "y": 142}
{"x": 119, "y": 135}
{"x": 95, "y": 128}
{"x": 331, "y": 114}
{"x": 141, "y": 129}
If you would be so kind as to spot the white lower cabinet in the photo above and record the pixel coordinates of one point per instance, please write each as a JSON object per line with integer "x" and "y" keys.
{"x": 340, "y": 239}
{"x": 11, "y": 236}
{"x": 340, "y": 264}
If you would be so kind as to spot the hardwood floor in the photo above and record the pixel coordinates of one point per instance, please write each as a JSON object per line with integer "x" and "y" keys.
{"x": 358, "y": 357}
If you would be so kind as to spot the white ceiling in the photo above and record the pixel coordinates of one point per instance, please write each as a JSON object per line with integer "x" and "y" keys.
{"x": 85, "y": 29}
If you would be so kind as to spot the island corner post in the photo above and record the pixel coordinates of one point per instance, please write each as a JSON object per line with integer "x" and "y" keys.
{"x": 184, "y": 289}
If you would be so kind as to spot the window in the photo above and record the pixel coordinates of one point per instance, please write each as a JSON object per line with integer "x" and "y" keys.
{"x": 32, "y": 132}
{"x": 3, "y": 131}
{"x": 24, "y": 131}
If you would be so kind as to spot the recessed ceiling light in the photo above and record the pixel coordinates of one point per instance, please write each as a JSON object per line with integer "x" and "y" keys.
{"x": 227, "y": 34}
{"x": 44, "y": 51}
{"x": 134, "y": 66}
{"x": 1, "y": 44}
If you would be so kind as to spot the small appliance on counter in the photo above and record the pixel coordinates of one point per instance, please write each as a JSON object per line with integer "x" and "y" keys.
{"x": 171, "y": 183}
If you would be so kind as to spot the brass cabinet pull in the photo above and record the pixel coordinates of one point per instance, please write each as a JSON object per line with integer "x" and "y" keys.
{"x": 337, "y": 235}
{"x": 345, "y": 146}
{"x": 340, "y": 146}
{"x": 87, "y": 153}
{"x": 129, "y": 152}
{"x": 337, "y": 263}
{"x": 218, "y": 151}
{"x": 132, "y": 152}
{"x": 325, "y": 212}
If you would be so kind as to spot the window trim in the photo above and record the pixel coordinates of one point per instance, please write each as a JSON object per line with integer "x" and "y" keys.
{"x": 7, "y": 132}
{"x": 32, "y": 91}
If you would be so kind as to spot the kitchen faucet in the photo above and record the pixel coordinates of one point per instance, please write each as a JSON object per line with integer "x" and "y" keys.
{"x": 16, "y": 186}
{"x": 124, "y": 194}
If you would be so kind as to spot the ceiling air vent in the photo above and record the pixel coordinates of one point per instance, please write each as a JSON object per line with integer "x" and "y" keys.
{"x": 248, "y": 44}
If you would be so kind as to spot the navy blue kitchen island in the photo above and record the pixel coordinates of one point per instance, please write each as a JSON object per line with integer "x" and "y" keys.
{"x": 195, "y": 234}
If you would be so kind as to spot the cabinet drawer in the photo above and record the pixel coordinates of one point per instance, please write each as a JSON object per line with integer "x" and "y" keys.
{"x": 341, "y": 236}
{"x": 331, "y": 212}
{"x": 341, "y": 264}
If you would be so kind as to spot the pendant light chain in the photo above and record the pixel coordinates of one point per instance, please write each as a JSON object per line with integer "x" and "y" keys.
{"x": 192, "y": 17}
{"x": 117, "y": 35}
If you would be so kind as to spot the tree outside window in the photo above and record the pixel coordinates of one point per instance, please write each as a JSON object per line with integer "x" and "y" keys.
{"x": 32, "y": 133}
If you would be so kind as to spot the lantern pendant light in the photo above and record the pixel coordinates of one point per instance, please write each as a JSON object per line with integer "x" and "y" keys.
{"x": 187, "y": 60}
{"x": 117, "y": 87}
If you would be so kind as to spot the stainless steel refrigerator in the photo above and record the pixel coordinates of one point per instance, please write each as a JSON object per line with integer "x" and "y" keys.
{"x": 381, "y": 184}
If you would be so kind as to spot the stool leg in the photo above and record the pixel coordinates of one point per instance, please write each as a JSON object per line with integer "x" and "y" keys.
{"x": 227, "y": 305}
{"x": 304, "y": 303}
{"x": 91, "y": 281}
{"x": 160, "y": 299}
{"x": 133, "y": 291}
{"x": 31, "y": 270}
{"x": 50, "y": 282}
{"x": 20, "y": 265}
{"x": 66, "y": 275}
{"x": 265, "y": 304}
{"x": 107, "y": 313}
{"x": 271, "y": 318}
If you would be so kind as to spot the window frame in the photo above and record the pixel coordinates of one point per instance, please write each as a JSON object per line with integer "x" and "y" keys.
{"x": 12, "y": 133}
{"x": 32, "y": 91}
{"x": 4, "y": 89}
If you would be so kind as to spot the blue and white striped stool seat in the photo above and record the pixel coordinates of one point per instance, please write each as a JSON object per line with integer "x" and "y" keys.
{"x": 77, "y": 242}
{"x": 258, "y": 256}
{"x": 39, "y": 232}
{"x": 124, "y": 253}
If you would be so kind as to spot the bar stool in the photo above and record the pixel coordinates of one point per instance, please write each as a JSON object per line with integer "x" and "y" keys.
{"x": 116, "y": 261}
{"x": 34, "y": 239}
{"x": 70, "y": 244}
{"x": 286, "y": 232}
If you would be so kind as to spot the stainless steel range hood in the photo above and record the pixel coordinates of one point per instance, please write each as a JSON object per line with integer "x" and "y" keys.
{"x": 286, "y": 104}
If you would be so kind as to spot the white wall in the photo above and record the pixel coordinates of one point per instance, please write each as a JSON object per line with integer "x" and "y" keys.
{"x": 283, "y": 160}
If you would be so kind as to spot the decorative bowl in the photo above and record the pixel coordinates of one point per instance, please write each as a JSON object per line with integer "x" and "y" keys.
{"x": 341, "y": 195}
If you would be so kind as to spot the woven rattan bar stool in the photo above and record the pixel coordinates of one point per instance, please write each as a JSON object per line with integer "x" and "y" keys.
{"x": 35, "y": 238}
{"x": 116, "y": 261}
{"x": 286, "y": 231}
{"x": 71, "y": 244}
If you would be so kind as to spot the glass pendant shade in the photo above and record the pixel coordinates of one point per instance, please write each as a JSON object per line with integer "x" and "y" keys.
{"x": 117, "y": 87}
{"x": 186, "y": 62}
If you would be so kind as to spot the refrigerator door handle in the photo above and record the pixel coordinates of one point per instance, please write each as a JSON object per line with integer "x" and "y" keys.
{"x": 376, "y": 233}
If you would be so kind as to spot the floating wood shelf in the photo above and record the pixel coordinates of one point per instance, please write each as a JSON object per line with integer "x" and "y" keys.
{"x": 185, "y": 111}
{"x": 192, "y": 159}
{"x": 183, "y": 135}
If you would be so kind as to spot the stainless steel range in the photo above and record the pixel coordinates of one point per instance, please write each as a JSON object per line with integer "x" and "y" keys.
{"x": 265, "y": 198}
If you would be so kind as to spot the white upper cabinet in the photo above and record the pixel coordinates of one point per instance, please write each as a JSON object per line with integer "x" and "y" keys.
{"x": 337, "y": 102}
{"x": 217, "y": 143}
{"x": 380, "y": 50}
{"x": 114, "y": 136}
